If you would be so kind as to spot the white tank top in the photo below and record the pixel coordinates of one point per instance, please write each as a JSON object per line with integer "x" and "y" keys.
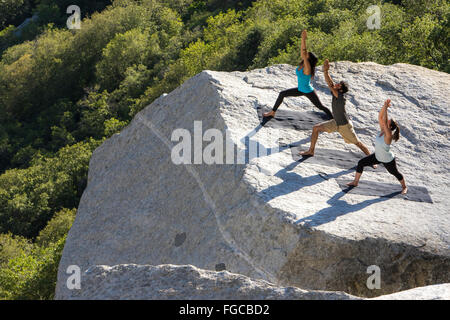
{"x": 382, "y": 150}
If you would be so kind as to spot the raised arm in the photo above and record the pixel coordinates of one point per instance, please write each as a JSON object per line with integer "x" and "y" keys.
{"x": 383, "y": 121}
{"x": 326, "y": 68}
{"x": 305, "y": 55}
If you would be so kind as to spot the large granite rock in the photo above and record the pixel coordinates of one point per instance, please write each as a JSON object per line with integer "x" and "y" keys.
{"x": 434, "y": 292}
{"x": 273, "y": 218}
{"x": 172, "y": 282}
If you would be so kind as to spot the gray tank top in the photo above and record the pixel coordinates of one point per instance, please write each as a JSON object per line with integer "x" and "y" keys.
{"x": 383, "y": 150}
{"x": 339, "y": 113}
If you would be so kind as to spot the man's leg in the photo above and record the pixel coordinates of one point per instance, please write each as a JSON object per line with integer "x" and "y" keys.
{"x": 328, "y": 126}
{"x": 363, "y": 148}
{"x": 314, "y": 137}
{"x": 283, "y": 94}
{"x": 348, "y": 133}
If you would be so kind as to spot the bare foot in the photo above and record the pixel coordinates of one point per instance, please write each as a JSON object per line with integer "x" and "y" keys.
{"x": 269, "y": 114}
{"x": 375, "y": 166}
{"x": 307, "y": 153}
{"x": 404, "y": 190}
{"x": 352, "y": 184}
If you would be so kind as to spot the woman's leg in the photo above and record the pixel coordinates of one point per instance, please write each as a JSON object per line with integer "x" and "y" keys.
{"x": 283, "y": 94}
{"x": 391, "y": 167}
{"x": 316, "y": 101}
{"x": 364, "y": 162}
{"x": 364, "y": 149}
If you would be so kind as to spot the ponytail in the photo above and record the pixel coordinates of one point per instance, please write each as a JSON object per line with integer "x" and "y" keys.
{"x": 313, "y": 62}
{"x": 396, "y": 128}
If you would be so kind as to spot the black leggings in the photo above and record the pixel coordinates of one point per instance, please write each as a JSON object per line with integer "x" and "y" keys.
{"x": 391, "y": 167}
{"x": 295, "y": 93}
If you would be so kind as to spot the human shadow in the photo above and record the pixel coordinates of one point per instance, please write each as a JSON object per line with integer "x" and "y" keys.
{"x": 255, "y": 149}
{"x": 293, "y": 119}
{"x": 265, "y": 120}
{"x": 293, "y": 181}
{"x": 340, "y": 207}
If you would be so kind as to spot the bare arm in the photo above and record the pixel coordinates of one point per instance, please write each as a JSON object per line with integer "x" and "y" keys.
{"x": 326, "y": 67}
{"x": 383, "y": 121}
{"x": 305, "y": 55}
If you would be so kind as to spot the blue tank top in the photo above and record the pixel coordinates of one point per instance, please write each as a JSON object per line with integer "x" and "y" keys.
{"x": 304, "y": 81}
{"x": 382, "y": 150}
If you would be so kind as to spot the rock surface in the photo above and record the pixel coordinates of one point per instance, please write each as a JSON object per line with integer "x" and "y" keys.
{"x": 273, "y": 218}
{"x": 434, "y": 292}
{"x": 171, "y": 282}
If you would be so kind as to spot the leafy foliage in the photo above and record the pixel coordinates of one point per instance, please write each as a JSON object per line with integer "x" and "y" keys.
{"x": 29, "y": 197}
{"x": 32, "y": 276}
{"x": 28, "y": 271}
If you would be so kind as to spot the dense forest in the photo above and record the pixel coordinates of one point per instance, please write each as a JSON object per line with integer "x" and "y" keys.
{"x": 62, "y": 92}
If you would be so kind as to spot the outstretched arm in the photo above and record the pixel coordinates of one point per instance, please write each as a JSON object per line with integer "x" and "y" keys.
{"x": 326, "y": 67}
{"x": 304, "y": 54}
{"x": 383, "y": 121}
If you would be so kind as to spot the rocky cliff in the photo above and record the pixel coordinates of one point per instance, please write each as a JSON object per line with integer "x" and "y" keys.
{"x": 263, "y": 213}
{"x": 175, "y": 282}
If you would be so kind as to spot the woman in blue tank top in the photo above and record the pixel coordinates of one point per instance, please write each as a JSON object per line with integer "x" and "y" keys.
{"x": 389, "y": 131}
{"x": 305, "y": 72}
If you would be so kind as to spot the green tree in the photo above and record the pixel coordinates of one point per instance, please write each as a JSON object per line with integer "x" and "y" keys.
{"x": 125, "y": 50}
{"x": 419, "y": 40}
{"x": 29, "y": 197}
{"x": 28, "y": 270}
{"x": 12, "y": 247}
{"x": 13, "y": 11}
{"x": 57, "y": 228}
{"x": 32, "y": 276}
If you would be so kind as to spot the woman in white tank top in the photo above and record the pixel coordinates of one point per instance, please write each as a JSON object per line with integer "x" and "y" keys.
{"x": 389, "y": 131}
{"x": 382, "y": 149}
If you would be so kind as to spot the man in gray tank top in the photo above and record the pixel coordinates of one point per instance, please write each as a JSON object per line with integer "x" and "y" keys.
{"x": 340, "y": 122}
{"x": 338, "y": 105}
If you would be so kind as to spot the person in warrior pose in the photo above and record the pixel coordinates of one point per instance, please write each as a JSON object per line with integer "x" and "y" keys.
{"x": 340, "y": 122}
{"x": 389, "y": 131}
{"x": 305, "y": 72}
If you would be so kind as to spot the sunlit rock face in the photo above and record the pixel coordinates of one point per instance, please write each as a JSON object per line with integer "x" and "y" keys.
{"x": 263, "y": 214}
